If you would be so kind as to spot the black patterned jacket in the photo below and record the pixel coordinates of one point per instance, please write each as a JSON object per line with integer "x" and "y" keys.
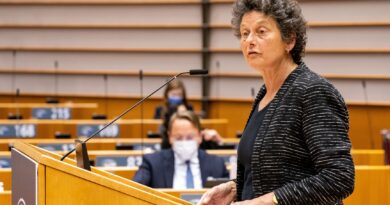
{"x": 302, "y": 149}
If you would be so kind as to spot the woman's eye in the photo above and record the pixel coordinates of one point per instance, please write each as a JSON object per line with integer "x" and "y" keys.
{"x": 261, "y": 31}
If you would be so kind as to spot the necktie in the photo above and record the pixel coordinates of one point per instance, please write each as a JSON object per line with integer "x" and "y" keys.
{"x": 189, "y": 177}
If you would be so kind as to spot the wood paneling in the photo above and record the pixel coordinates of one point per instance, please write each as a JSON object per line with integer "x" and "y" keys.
{"x": 5, "y": 198}
{"x": 372, "y": 186}
{"x": 366, "y": 119}
{"x": 99, "y": 2}
{"x": 6, "y": 178}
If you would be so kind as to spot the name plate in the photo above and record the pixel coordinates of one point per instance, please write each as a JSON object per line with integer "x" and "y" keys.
{"x": 55, "y": 113}
{"x": 147, "y": 146}
{"x": 5, "y": 162}
{"x": 57, "y": 147}
{"x": 118, "y": 161}
{"x": 86, "y": 130}
{"x": 18, "y": 131}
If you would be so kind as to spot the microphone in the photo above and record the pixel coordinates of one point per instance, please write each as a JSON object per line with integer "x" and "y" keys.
{"x": 191, "y": 72}
{"x": 141, "y": 92}
{"x": 17, "y": 115}
{"x": 103, "y": 116}
{"x": 364, "y": 86}
{"x": 199, "y": 72}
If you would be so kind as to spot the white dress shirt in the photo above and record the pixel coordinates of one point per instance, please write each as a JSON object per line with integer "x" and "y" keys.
{"x": 180, "y": 172}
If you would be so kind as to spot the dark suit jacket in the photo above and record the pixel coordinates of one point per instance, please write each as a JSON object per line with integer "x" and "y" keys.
{"x": 302, "y": 150}
{"x": 157, "y": 169}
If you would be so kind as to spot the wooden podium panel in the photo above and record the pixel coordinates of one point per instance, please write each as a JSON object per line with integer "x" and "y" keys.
{"x": 77, "y": 191}
{"x": 5, "y": 177}
{"x": 61, "y": 182}
{"x": 5, "y": 198}
{"x": 372, "y": 186}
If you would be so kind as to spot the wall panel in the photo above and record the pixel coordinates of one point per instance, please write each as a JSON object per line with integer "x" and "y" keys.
{"x": 161, "y": 62}
{"x": 98, "y": 38}
{"x": 100, "y": 14}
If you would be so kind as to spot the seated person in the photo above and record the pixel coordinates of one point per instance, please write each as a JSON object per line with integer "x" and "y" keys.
{"x": 175, "y": 99}
{"x": 184, "y": 165}
{"x": 210, "y": 140}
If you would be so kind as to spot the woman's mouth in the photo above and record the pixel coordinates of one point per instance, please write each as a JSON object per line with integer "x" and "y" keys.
{"x": 252, "y": 53}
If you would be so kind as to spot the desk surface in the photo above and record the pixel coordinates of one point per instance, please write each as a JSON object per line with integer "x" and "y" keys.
{"x": 213, "y": 152}
{"x": 46, "y": 105}
{"x": 89, "y": 121}
{"x": 99, "y": 141}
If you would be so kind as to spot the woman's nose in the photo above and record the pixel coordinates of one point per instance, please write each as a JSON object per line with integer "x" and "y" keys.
{"x": 250, "y": 39}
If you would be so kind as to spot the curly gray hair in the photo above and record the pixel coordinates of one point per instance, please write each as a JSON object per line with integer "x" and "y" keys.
{"x": 287, "y": 15}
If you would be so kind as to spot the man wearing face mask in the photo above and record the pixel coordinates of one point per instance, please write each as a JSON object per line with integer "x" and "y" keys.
{"x": 184, "y": 165}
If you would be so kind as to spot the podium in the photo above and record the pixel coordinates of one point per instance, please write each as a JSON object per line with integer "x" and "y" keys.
{"x": 39, "y": 177}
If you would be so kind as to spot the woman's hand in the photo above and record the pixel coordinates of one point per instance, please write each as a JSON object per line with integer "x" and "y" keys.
{"x": 211, "y": 135}
{"x": 222, "y": 194}
{"x": 263, "y": 200}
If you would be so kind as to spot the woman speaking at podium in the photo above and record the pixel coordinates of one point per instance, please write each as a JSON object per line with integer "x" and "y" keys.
{"x": 295, "y": 148}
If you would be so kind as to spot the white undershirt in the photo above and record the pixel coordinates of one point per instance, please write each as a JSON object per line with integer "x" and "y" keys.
{"x": 179, "y": 176}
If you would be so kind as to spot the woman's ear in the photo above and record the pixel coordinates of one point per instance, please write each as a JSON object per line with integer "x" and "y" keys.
{"x": 291, "y": 42}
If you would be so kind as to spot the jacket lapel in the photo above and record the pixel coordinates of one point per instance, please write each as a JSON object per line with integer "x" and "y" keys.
{"x": 202, "y": 164}
{"x": 263, "y": 128}
{"x": 169, "y": 166}
{"x": 274, "y": 104}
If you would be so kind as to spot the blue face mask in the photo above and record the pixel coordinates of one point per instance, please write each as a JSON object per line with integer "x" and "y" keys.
{"x": 175, "y": 100}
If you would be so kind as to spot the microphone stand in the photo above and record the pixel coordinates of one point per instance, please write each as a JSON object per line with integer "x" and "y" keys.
{"x": 141, "y": 81}
{"x": 364, "y": 85}
{"x": 191, "y": 72}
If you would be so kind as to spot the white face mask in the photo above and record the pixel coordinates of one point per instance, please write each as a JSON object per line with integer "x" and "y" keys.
{"x": 185, "y": 149}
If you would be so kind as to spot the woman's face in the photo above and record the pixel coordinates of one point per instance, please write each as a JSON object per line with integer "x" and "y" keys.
{"x": 177, "y": 92}
{"x": 261, "y": 41}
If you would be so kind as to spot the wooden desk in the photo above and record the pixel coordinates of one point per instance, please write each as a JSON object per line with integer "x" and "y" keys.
{"x": 47, "y": 105}
{"x": 6, "y": 178}
{"x": 78, "y": 110}
{"x": 372, "y": 187}
{"x": 132, "y": 158}
{"x": 368, "y": 157}
{"x": 5, "y": 198}
{"x": 95, "y": 144}
{"x": 106, "y": 148}
{"x": 129, "y": 128}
